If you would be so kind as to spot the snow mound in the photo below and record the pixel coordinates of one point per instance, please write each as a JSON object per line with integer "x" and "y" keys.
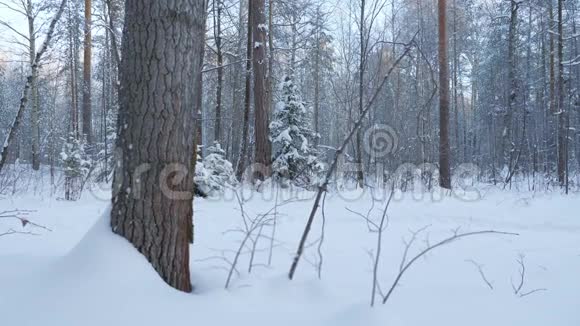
{"x": 102, "y": 281}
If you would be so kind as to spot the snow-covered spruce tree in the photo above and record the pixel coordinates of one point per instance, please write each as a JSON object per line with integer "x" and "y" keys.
{"x": 76, "y": 165}
{"x": 214, "y": 172}
{"x": 295, "y": 156}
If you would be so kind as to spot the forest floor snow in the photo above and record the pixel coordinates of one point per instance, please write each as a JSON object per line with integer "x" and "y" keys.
{"x": 80, "y": 273}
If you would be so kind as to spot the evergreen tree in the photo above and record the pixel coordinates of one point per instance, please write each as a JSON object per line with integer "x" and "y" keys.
{"x": 293, "y": 139}
{"x": 214, "y": 172}
{"x": 76, "y": 166}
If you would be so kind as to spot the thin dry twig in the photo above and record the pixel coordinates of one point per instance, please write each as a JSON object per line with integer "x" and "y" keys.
{"x": 481, "y": 272}
{"x": 22, "y": 217}
{"x": 381, "y": 227}
{"x": 518, "y": 290}
{"x": 456, "y": 236}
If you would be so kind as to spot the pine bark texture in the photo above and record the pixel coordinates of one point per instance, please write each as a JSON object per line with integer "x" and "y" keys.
{"x": 247, "y": 98}
{"x": 152, "y": 201}
{"x": 263, "y": 155}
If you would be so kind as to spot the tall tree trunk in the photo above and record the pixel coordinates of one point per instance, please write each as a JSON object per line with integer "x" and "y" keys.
{"x": 562, "y": 128}
{"x": 247, "y": 98}
{"x": 35, "y": 107}
{"x": 152, "y": 202}
{"x": 112, "y": 29}
{"x": 552, "y": 58}
{"x": 317, "y": 75}
{"x": 455, "y": 82}
{"x": 87, "y": 56}
{"x": 444, "y": 148}
{"x": 271, "y": 56}
{"x": 261, "y": 129}
{"x": 363, "y": 41}
{"x": 220, "y": 70}
{"x": 73, "y": 69}
{"x": 507, "y": 138}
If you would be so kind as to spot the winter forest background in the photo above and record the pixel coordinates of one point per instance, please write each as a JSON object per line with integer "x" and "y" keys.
{"x": 513, "y": 84}
{"x": 414, "y": 117}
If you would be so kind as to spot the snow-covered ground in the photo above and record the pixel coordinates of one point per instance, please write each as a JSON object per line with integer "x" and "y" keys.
{"x": 82, "y": 274}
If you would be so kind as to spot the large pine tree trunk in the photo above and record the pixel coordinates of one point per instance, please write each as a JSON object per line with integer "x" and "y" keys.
{"x": 261, "y": 130}
{"x": 87, "y": 55}
{"x": 444, "y": 147}
{"x": 152, "y": 204}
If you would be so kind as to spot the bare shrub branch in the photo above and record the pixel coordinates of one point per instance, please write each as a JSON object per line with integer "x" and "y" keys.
{"x": 518, "y": 290}
{"x": 456, "y": 236}
{"x": 481, "y": 272}
{"x": 326, "y": 180}
{"x": 22, "y": 217}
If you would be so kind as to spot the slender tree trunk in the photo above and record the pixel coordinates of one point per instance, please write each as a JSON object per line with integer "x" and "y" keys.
{"x": 87, "y": 55}
{"x": 457, "y": 146}
{"x": 317, "y": 75}
{"x": 34, "y": 99}
{"x": 293, "y": 41}
{"x": 562, "y": 128}
{"x": 112, "y": 23}
{"x": 220, "y": 69}
{"x": 552, "y": 58}
{"x": 271, "y": 56}
{"x": 247, "y": 98}
{"x": 444, "y": 148}
{"x": 261, "y": 129}
{"x": 363, "y": 41}
{"x": 73, "y": 69}
{"x": 507, "y": 139}
{"x": 158, "y": 79}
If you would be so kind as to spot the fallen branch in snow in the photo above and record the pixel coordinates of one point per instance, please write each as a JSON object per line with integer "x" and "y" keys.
{"x": 20, "y": 216}
{"x": 379, "y": 229}
{"x": 532, "y": 292}
{"x": 29, "y": 80}
{"x": 322, "y": 187}
{"x": 456, "y": 236}
{"x": 481, "y": 272}
{"x": 251, "y": 225}
{"x": 522, "y": 264}
{"x": 518, "y": 290}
